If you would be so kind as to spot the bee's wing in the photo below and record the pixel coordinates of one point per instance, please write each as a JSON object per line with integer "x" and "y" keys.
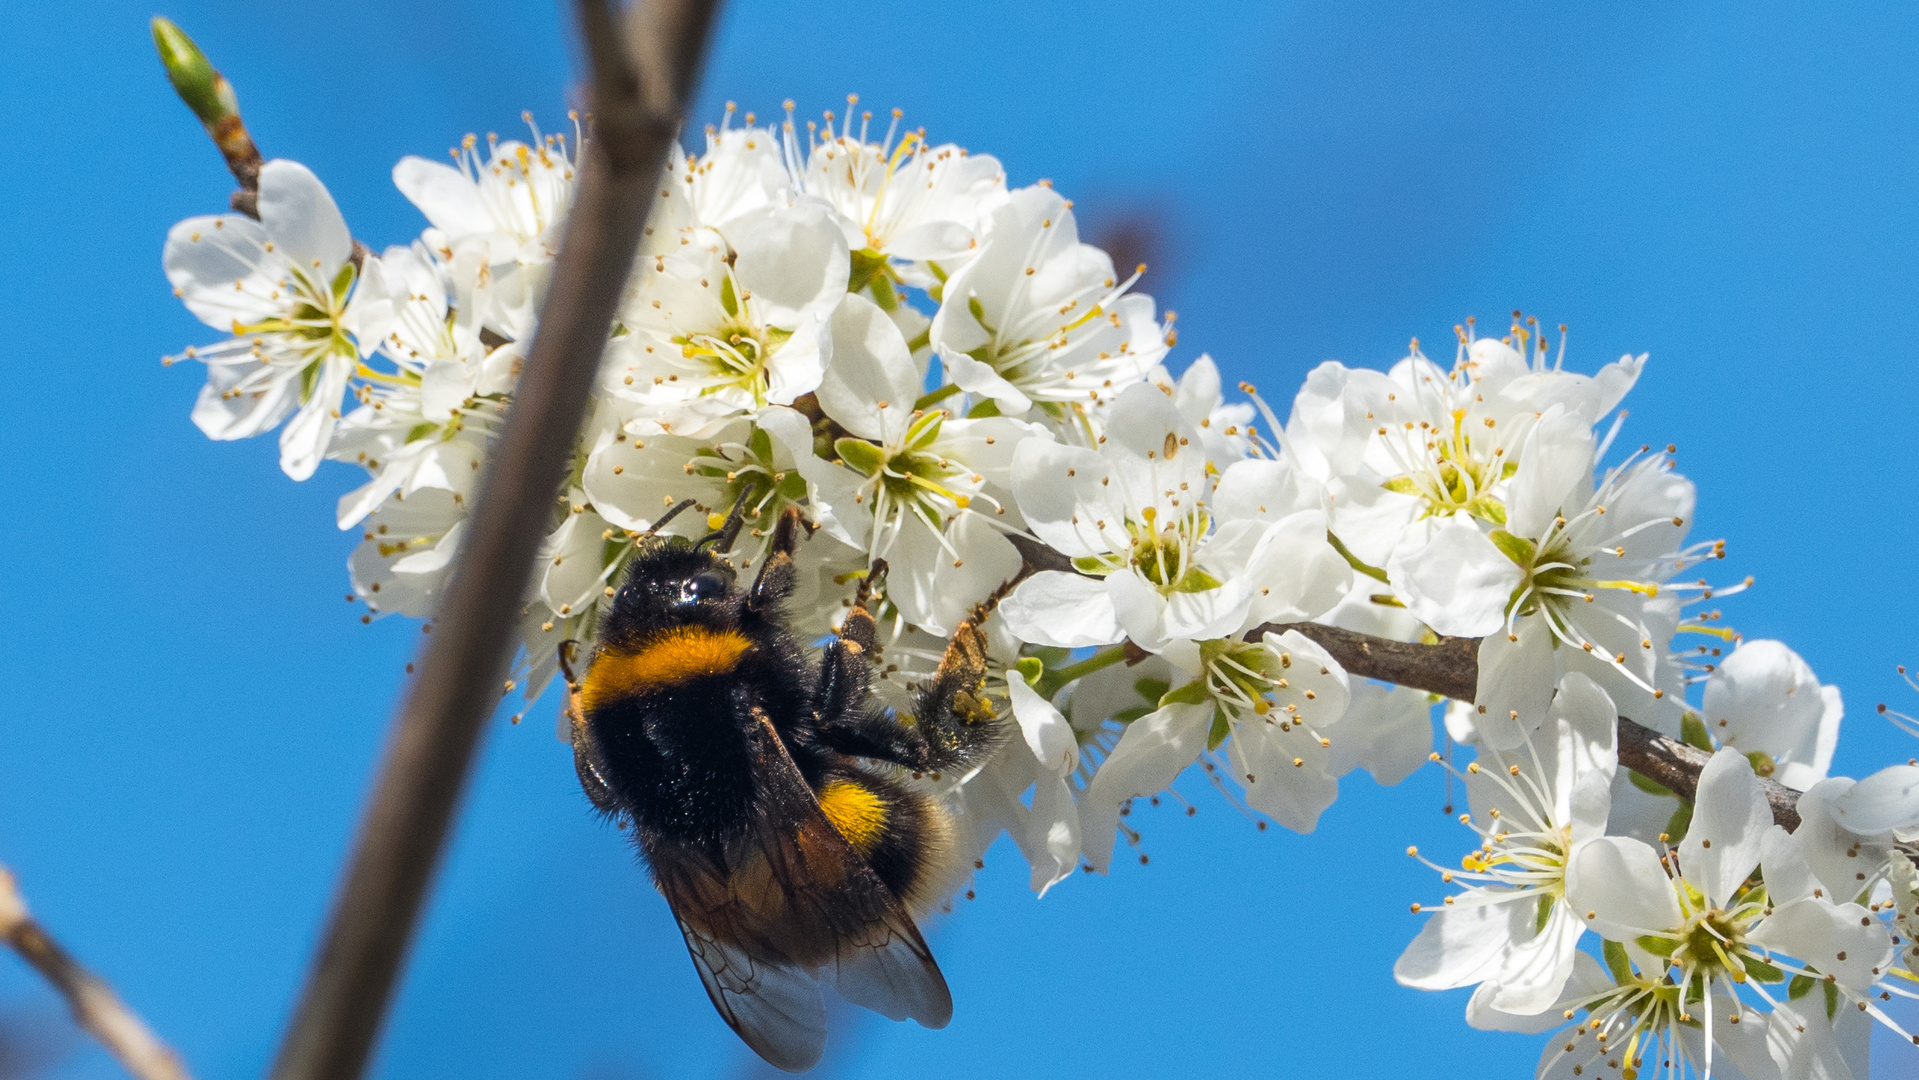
{"x": 768, "y": 1000}
{"x": 872, "y": 952}
{"x": 799, "y": 904}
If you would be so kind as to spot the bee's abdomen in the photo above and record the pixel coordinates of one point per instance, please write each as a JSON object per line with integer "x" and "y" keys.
{"x": 900, "y": 833}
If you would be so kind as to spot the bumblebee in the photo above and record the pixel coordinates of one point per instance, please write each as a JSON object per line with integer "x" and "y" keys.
{"x": 757, "y": 783}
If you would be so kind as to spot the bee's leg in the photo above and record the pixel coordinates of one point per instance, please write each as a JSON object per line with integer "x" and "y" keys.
{"x": 952, "y": 714}
{"x": 598, "y": 791}
{"x": 845, "y": 667}
{"x": 953, "y": 724}
{"x": 586, "y": 761}
{"x": 775, "y": 580}
{"x": 586, "y": 749}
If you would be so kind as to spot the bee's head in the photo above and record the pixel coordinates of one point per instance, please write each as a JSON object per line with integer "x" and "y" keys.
{"x": 673, "y": 583}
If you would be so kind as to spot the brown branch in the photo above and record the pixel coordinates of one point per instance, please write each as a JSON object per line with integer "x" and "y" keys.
{"x": 96, "y": 1008}
{"x": 1450, "y": 668}
{"x": 638, "y": 105}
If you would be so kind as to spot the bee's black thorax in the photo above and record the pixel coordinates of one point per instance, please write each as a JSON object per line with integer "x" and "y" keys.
{"x": 684, "y": 666}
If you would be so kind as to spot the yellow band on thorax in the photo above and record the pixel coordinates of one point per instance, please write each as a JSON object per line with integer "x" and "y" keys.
{"x": 667, "y": 659}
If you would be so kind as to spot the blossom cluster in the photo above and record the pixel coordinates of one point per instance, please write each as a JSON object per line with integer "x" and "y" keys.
{"x": 936, "y": 369}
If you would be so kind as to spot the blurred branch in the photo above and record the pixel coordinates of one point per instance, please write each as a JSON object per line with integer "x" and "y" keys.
{"x": 1450, "y": 668}
{"x": 641, "y": 77}
{"x": 96, "y": 1008}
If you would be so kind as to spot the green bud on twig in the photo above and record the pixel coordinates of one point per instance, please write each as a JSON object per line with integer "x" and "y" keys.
{"x": 211, "y": 98}
{"x": 205, "y": 90}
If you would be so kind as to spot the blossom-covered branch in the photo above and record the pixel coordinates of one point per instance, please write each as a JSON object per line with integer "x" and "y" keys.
{"x": 1450, "y": 668}
{"x": 848, "y": 319}
{"x": 96, "y": 1008}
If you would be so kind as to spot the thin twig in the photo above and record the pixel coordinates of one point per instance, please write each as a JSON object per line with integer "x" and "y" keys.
{"x": 1450, "y": 668}
{"x": 638, "y": 105}
{"x": 96, "y": 1008}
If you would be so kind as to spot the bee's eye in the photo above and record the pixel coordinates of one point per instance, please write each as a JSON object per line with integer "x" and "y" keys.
{"x": 706, "y": 585}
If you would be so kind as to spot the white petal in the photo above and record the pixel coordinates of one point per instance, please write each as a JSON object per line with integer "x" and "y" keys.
{"x": 572, "y": 565}
{"x": 206, "y": 257}
{"x": 1729, "y": 821}
{"x": 1618, "y": 882}
{"x": 1788, "y": 876}
{"x": 1587, "y": 981}
{"x": 1047, "y": 733}
{"x": 1765, "y": 698}
{"x": 302, "y": 221}
{"x": 872, "y": 383}
{"x": 792, "y": 260}
{"x": 304, "y": 441}
{"x": 1064, "y": 610}
{"x": 1557, "y": 457}
{"x": 1536, "y": 968}
{"x": 1459, "y": 946}
{"x": 1284, "y": 771}
{"x": 1264, "y": 490}
{"x": 1143, "y": 426}
{"x": 1804, "y": 1039}
{"x": 1139, "y": 607}
{"x": 1587, "y": 722}
{"x": 244, "y": 399}
{"x": 1457, "y": 582}
{"x": 1068, "y": 499}
{"x": 1886, "y": 801}
{"x": 1297, "y": 573}
{"x": 1152, "y": 753}
{"x": 444, "y": 387}
{"x": 981, "y": 380}
{"x": 1515, "y": 682}
{"x": 1388, "y": 731}
{"x": 1052, "y": 832}
{"x": 1841, "y": 940}
{"x": 1841, "y": 859}
{"x": 1310, "y": 669}
{"x": 445, "y": 195}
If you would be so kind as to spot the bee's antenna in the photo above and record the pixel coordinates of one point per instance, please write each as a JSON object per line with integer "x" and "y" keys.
{"x": 668, "y": 516}
{"x": 566, "y": 660}
{"x": 726, "y": 533}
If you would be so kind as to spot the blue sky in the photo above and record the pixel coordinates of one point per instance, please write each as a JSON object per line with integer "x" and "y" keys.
{"x": 194, "y": 712}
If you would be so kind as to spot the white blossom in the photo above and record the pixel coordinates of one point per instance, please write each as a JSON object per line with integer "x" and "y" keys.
{"x": 1764, "y": 699}
{"x": 280, "y": 286}
{"x": 723, "y": 328}
{"x": 903, "y": 475}
{"x": 1534, "y": 809}
{"x": 1272, "y": 699}
{"x": 1039, "y": 319}
{"x": 1698, "y": 918}
{"x": 505, "y": 210}
{"x": 911, "y": 211}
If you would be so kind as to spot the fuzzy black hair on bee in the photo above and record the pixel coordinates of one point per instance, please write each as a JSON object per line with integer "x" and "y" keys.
{"x": 759, "y": 783}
